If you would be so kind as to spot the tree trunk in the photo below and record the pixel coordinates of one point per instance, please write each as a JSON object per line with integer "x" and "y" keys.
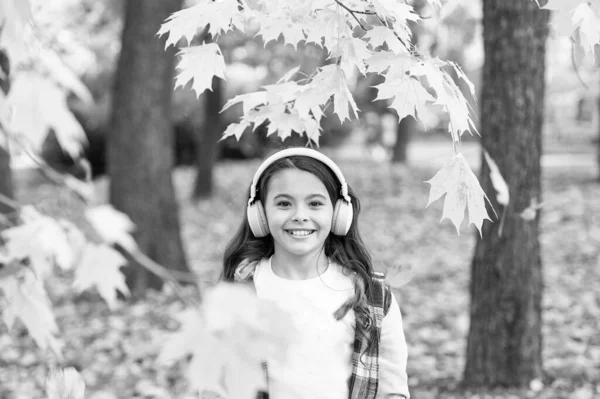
{"x": 404, "y": 131}
{"x": 598, "y": 141}
{"x": 140, "y": 143}
{"x": 505, "y": 341}
{"x": 206, "y": 148}
{"x": 6, "y": 178}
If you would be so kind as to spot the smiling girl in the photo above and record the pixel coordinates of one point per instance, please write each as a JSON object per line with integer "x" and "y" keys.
{"x": 299, "y": 246}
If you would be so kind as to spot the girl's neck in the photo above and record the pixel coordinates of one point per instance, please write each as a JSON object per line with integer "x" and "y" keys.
{"x": 290, "y": 267}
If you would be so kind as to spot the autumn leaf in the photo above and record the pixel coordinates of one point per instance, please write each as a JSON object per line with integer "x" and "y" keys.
{"x": 200, "y": 64}
{"x": 65, "y": 384}
{"x": 113, "y": 226}
{"x": 380, "y": 35}
{"x": 234, "y": 332}
{"x": 327, "y": 28}
{"x": 100, "y": 267}
{"x": 27, "y": 300}
{"x": 221, "y": 17}
{"x": 39, "y": 104}
{"x": 15, "y": 17}
{"x": 588, "y": 26}
{"x": 398, "y": 12}
{"x": 410, "y": 97}
{"x": 502, "y": 193}
{"x": 52, "y": 245}
{"x": 457, "y": 181}
{"x": 235, "y": 129}
{"x": 395, "y": 64}
{"x": 271, "y": 28}
{"x": 284, "y": 124}
{"x": 249, "y": 101}
{"x": 352, "y": 53}
{"x": 563, "y": 5}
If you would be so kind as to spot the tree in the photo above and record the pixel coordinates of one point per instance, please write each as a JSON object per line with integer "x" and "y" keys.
{"x": 505, "y": 340}
{"x": 206, "y": 147}
{"x": 140, "y": 139}
{"x": 6, "y": 183}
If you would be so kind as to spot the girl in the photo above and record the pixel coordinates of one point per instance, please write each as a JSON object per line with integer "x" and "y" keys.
{"x": 299, "y": 245}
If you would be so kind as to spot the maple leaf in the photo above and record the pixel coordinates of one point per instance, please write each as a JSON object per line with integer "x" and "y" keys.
{"x": 38, "y": 105}
{"x": 65, "y": 384}
{"x": 502, "y": 193}
{"x": 52, "y": 245}
{"x": 284, "y": 124}
{"x": 200, "y": 64}
{"x": 235, "y": 129}
{"x": 380, "y": 35}
{"x": 564, "y": 5}
{"x": 456, "y": 180}
{"x": 282, "y": 93}
{"x": 587, "y": 23}
{"x": 228, "y": 340}
{"x": 289, "y": 74}
{"x": 249, "y": 100}
{"x": 100, "y": 267}
{"x": 272, "y": 28}
{"x": 221, "y": 16}
{"x": 327, "y": 28}
{"x": 381, "y": 61}
{"x": 448, "y": 95}
{"x": 410, "y": 97}
{"x": 113, "y": 226}
{"x": 352, "y": 53}
{"x": 329, "y": 81}
{"x": 15, "y": 18}
{"x": 398, "y": 12}
{"x": 27, "y": 300}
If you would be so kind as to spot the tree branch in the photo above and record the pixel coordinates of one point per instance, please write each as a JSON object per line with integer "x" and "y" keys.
{"x": 353, "y": 13}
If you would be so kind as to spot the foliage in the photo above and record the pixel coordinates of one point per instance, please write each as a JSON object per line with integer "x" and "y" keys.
{"x": 360, "y": 37}
{"x": 367, "y": 37}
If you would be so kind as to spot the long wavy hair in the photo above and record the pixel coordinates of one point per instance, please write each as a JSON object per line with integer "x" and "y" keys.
{"x": 348, "y": 251}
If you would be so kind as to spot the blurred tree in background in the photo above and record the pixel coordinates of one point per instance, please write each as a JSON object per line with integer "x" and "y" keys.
{"x": 141, "y": 131}
{"x": 505, "y": 340}
{"x": 6, "y": 178}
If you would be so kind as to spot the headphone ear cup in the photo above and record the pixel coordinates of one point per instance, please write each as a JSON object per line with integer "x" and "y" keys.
{"x": 342, "y": 218}
{"x": 257, "y": 219}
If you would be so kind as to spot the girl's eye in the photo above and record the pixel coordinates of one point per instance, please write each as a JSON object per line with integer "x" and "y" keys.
{"x": 316, "y": 203}
{"x": 283, "y": 203}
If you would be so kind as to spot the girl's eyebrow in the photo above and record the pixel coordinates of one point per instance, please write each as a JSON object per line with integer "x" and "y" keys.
{"x": 307, "y": 197}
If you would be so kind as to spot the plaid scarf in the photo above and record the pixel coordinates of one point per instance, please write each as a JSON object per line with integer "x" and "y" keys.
{"x": 365, "y": 363}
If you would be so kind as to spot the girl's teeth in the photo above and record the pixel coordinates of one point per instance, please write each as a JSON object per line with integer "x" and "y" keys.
{"x": 300, "y": 233}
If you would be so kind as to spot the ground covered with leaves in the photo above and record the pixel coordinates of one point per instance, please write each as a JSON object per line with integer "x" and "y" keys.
{"x": 116, "y": 351}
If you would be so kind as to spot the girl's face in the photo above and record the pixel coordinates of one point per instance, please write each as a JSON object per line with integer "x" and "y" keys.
{"x": 299, "y": 212}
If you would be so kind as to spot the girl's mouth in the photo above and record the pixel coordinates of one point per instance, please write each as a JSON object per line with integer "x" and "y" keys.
{"x": 300, "y": 233}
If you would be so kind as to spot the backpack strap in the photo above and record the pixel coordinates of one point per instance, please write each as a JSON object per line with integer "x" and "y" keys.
{"x": 381, "y": 292}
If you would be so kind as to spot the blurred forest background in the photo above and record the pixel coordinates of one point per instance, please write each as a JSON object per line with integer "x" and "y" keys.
{"x": 386, "y": 162}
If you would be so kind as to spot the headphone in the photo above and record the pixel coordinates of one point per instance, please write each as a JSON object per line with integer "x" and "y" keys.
{"x": 342, "y": 211}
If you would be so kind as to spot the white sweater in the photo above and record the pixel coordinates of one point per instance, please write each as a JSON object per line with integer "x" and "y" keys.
{"x": 318, "y": 364}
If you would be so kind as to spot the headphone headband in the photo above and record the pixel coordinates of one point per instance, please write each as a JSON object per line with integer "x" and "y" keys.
{"x": 300, "y": 151}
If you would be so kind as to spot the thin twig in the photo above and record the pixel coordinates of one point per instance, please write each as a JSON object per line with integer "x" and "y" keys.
{"x": 10, "y": 202}
{"x": 48, "y": 171}
{"x": 575, "y": 67}
{"x": 353, "y": 13}
{"x": 159, "y": 270}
